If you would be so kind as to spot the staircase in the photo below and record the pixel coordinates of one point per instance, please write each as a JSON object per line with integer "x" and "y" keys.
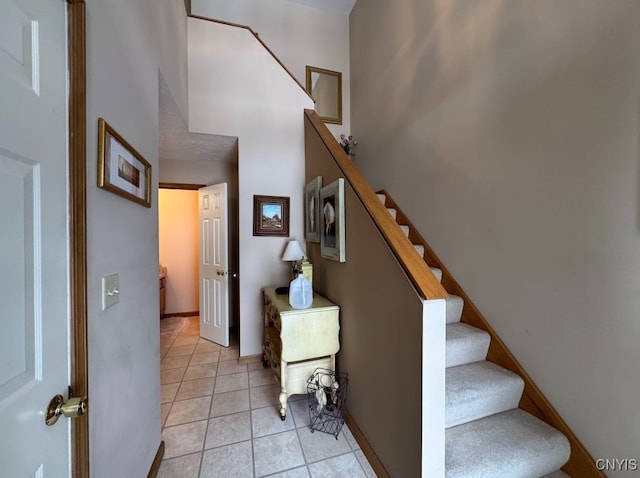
{"x": 487, "y": 435}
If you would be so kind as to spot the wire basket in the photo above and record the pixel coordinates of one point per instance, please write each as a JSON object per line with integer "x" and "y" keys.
{"x": 327, "y": 392}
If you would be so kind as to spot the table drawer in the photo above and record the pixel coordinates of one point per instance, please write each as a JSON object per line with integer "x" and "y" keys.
{"x": 299, "y": 372}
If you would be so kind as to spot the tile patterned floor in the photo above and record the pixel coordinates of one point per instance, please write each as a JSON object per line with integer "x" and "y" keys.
{"x": 221, "y": 419}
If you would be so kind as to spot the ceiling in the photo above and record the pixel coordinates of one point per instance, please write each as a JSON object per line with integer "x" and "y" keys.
{"x": 177, "y": 143}
{"x": 336, "y": 6}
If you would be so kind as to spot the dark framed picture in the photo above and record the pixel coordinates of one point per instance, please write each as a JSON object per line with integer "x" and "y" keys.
{"x": 270, "y": 216}
{"x": 332, "y": 234}
{"x": 121, "y": 169}
{"x": 312, "y": 210}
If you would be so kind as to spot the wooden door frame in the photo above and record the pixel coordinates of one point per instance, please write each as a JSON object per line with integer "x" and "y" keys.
{"x": 79, "y": 379}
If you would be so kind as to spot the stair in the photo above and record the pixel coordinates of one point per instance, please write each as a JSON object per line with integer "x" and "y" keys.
{"x": 465, "y": 344}
{"x": 454, "y": 306}
{"x": 479, "y": 389}
{"x": 511, "y": 444}
{"x": 405, "y": 229}
{"x": 487, "y": 435}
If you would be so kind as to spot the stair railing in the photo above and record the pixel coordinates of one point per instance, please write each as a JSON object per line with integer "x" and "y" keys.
{"x": 257, "y": 37}
{"x": 414, "y": 266}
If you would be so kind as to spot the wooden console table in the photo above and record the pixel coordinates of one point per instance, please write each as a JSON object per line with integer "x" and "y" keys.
{"x": 298, "y": 341}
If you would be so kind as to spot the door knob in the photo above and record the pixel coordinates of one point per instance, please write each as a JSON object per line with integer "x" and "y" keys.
{"x": 74, "y": 407}
{"x": 221, "y": 273}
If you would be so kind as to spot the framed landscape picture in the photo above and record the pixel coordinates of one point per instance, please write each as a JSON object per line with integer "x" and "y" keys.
{"x": 312, "y": 210}
{"x": 332, "y": 234}
{"x": 270, "y": 216}
{"x": 121, "y": 169}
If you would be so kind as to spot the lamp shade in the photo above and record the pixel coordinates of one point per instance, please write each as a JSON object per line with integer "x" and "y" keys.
{"x": 293, "y": 252}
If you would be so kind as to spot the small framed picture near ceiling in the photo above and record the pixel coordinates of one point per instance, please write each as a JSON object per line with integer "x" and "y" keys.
{"x": 312, "y": 210}
{"x": 270, "y": 216}
{"x": 332, "y": 236}
{"x": 325, "y": 87}
{"x": 121, "y": 169}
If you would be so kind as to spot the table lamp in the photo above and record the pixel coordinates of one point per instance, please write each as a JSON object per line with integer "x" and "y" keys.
{"x": 293, "y": 253}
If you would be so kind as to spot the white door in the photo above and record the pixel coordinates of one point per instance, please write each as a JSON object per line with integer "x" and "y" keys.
{"x": 214, "y": 261}
{"x": 34, "y": 283}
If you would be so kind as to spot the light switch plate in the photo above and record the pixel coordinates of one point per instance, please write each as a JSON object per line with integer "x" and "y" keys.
{"x": 110, "y": 290}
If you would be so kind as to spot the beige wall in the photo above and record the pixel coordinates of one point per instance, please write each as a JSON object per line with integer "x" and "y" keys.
{"x": 267, "y": 119}
{"x": 128, "y": 44}
{"x": 380, "y": 328}
{"x": 298, "y": 34}
{"x": 179, "y": 245}
{"x": 508, "y": 133}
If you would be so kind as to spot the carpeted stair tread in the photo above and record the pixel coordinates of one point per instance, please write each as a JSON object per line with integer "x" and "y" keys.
{"x": 557, "y": 474}
{"x": 382, "y": 197}
{"x": 478, "y": 390}
{"x": 454, "y": 305}
{"x": 437, "y": 272}
{"x": 405, "y": 229}
{"x": 512, "y": 444}
{"x": 465, "y": 344}
{"x": 393, "y": 212}
{"x": 419, "y": 249}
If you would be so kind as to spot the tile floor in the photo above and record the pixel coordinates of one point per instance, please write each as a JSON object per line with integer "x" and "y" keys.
{"x": 221, "y": 419}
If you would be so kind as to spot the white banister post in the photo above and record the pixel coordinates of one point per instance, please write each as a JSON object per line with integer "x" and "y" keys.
{"x": 433, "y": 388}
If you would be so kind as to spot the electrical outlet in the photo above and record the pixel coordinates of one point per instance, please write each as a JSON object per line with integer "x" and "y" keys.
{"x": 110, "y": 290}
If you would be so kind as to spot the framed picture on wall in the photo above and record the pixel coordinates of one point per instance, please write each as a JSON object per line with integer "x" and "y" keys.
{"x": 270, "y": 216}
{"x": 332, "y": 234}
{"x": 121, "y": 169}
{"x": 312, "y": 210}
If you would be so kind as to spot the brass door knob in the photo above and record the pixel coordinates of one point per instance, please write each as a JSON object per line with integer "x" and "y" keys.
{"x": 222, "y": 273}
{"x": 74, "y": 407}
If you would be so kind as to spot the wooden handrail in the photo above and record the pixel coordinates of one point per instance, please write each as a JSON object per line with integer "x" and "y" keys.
{"x": 257, "y": 37}
{"x": 421, "y": 276}
{"x": 533, "y": 400}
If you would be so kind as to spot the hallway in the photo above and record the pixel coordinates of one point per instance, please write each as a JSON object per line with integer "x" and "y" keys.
{"x": 220, "y": 418}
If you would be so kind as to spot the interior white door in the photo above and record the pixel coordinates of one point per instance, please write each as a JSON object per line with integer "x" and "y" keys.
{"x": 214, "y": 262}
{"x": 34, "y": 284}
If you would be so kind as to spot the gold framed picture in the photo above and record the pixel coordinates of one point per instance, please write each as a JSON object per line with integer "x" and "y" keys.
{"x": 325, "y": 87}
{"x": 332, "y": 236}
{"x": 121, "y": 169}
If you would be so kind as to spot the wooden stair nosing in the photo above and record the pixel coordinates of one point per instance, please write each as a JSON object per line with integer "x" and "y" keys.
{"x": 581, "y": 463}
